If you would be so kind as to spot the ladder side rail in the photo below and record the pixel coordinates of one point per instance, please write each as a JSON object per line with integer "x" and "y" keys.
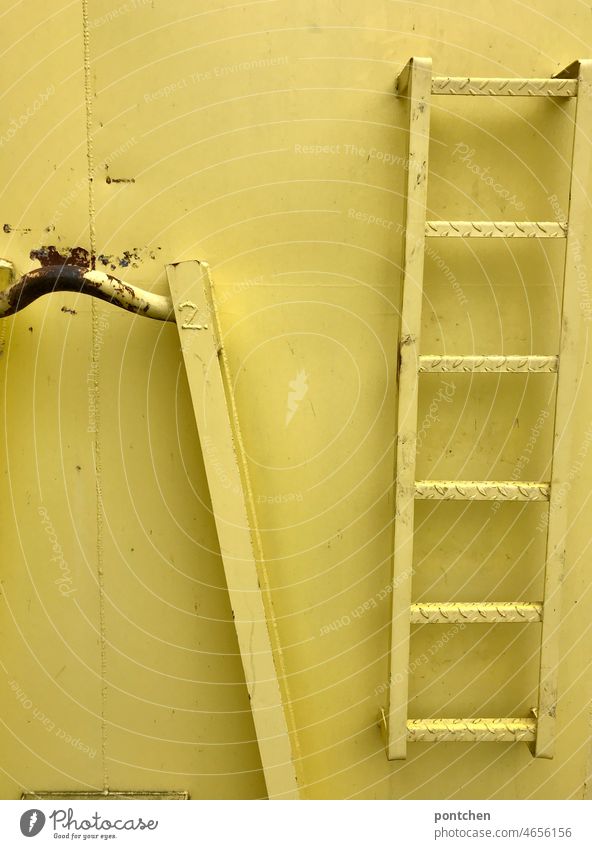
{"x": 416, "y": 81}
{"x": 567, "y": 382}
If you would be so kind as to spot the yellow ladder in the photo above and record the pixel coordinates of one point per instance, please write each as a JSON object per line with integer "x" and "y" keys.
{"x": 417, "y": 84}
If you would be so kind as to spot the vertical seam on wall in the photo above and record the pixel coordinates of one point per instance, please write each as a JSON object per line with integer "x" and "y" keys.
{"x": 95, "y": 373}
{"x": 89, "y": 138}
{"x": 587, "y": 783}
{"x": 99, "y": 551}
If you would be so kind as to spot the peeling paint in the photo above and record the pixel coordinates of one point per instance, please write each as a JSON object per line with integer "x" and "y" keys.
{"x": 8, "y": 228}
{"x": 68, "y": 277}
{"x": 49, "y": 255}
{"x": 132, "y": 258}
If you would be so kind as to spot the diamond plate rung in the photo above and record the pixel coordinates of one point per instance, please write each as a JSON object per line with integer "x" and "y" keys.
{"x": 497, "y": 229}
{"x": 482, "y": 490}
{"x": 489, "y": 363}
{"x": 502, "y": 86}
{"x": 496, "y": 730}
{"x": 469, "y": 612}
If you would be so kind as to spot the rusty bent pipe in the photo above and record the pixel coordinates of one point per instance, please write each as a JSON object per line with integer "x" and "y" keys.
{"x": 73, "y": 278}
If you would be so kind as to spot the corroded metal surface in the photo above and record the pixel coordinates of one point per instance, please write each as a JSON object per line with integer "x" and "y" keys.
{"x": 489, "y": 363}
{"x": 485, "y": 611}
{"x": 499, "y": 229}
{"x": 73, "y": 278}
{"x": 482, "y": 490}
{"x": 502, "y": 86}
{"x": 502, "y": 730}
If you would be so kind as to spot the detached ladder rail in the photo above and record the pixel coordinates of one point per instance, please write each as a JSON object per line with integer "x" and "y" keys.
{"x": 417, "y": 85}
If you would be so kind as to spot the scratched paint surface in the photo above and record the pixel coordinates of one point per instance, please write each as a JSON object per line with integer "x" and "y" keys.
{"x": 264, "y": 138}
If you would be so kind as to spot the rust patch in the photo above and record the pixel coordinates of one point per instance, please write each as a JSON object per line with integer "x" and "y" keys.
{"x": 47, "y": 255}
{"x": 74, "y": 278}
{"x": 57, "y": 278}
{"x": 132, "y": 258}
{"x": 40, "y": 281}
{"x": 121, "y": 287}
{"x": 8, "y": 228}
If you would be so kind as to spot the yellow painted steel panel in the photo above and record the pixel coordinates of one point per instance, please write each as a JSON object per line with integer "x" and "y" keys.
{"x": 266, "y": 139}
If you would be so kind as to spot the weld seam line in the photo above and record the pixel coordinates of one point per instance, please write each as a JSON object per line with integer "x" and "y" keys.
{"x": 95, "y": 373}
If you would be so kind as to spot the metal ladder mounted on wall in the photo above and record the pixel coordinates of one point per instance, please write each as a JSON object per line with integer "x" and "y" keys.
{"x": 417, "y": 84}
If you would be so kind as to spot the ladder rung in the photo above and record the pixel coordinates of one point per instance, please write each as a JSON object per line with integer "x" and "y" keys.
{"x": 500, "y": 730}
{"x": 483, "y": 490}
{"x": 488, "y": 363}
{"x": 486, "y": 612}
{"x": 499, "y": 229}
{"x": 502, "y": 86}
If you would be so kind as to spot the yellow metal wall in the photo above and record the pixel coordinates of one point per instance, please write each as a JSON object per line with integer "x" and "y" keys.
{"x": 264, "y": 138}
